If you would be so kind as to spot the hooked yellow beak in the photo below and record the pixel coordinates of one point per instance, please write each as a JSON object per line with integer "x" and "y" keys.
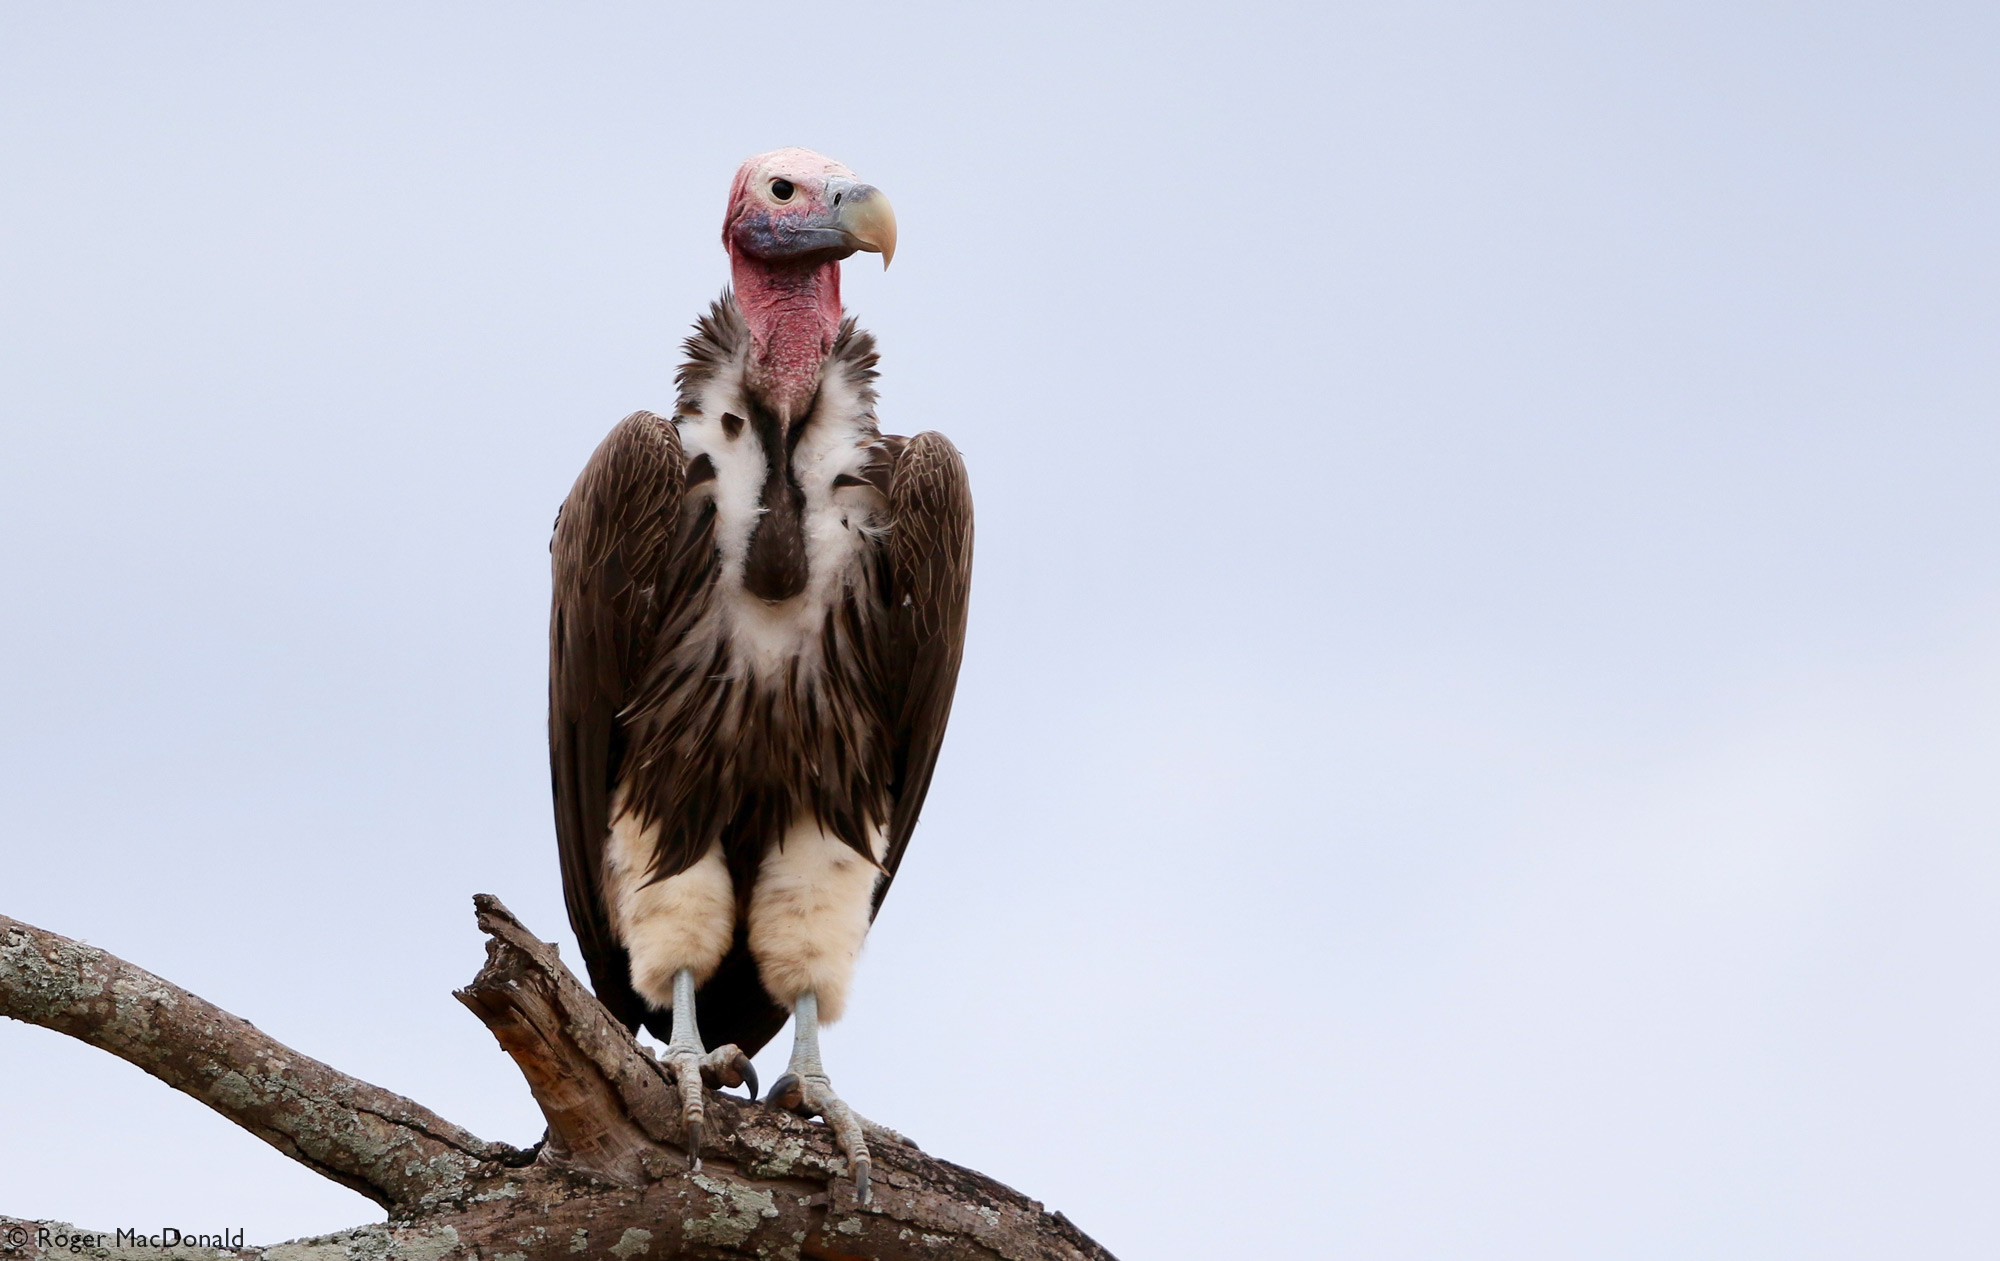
{"x": 864, "y": 215}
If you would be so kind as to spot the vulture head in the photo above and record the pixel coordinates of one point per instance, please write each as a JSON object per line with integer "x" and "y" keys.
{"x": 793, "y": 215}
{"x": 793, "y": 207}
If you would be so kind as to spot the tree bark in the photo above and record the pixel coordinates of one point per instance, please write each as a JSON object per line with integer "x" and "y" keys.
{"x": 611, "y": 1177}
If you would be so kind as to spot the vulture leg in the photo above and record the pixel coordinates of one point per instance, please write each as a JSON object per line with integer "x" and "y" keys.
{"x": 694, "y": 1067}
{"x": 805, "y": 1089}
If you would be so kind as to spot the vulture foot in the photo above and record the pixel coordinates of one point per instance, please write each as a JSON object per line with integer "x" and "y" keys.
{"x": 694, "y": 1069}
{"x": 806, "y": 1090}
{"x": 813, "y": 1096}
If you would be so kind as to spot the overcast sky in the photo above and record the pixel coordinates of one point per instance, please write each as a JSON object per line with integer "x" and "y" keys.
{"x": 1480, "y": 736}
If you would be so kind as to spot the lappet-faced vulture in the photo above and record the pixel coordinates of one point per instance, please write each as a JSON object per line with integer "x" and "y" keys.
{"x": 759, "y": 613}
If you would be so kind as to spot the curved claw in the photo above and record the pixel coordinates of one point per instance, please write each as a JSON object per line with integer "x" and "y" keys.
{"x": 788, "y": 1092}
{"x": 728, "y": 1066}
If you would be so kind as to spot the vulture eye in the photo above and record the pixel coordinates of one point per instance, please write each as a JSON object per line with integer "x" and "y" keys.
{"x": 782, "y": 189}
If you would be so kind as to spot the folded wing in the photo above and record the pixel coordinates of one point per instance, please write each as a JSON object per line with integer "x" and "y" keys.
{"x": 930, "y": 579}
{"x": 615, "y": 570}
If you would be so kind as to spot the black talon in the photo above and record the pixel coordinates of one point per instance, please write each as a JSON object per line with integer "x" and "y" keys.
{"x": 788, "y": 1092}
{"x": 744, "y": 1067}
{"x": 861, "y": 1170}
{"x": 694, "y": 1144}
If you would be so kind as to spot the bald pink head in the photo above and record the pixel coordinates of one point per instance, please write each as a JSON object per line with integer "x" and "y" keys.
{"x": 793, "y": 215}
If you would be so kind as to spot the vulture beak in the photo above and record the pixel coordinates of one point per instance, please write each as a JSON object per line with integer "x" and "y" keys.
{"x": 862, "y": 216}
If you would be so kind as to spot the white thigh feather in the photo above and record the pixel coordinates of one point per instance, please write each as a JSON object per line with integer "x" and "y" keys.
{"x": 809, "y": 916}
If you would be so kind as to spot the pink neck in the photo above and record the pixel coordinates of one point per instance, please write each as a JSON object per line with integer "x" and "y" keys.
{"x": 794, "y": 315}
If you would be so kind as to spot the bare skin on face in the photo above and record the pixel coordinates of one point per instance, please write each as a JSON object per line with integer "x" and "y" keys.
{"x": 793, "y": 215}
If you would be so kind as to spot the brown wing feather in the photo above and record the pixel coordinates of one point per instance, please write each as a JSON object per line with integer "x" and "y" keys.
{"x": 930, "y": 580}
{"x": 611, "y": 555}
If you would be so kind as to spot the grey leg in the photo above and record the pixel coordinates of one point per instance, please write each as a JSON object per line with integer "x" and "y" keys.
{"x": 805, "y": 1089}
{"x": 693, "y": 1067}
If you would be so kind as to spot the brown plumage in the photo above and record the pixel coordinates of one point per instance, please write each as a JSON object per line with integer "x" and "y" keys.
{"x": 645, "y": 694}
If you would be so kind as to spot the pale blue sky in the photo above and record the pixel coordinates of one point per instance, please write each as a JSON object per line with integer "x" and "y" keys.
{"x": 1480, "y": 731}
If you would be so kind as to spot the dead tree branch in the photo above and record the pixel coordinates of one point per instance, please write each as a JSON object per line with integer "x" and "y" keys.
{"x": 398, "y": 1153}
{"x": 611, "y": 1177}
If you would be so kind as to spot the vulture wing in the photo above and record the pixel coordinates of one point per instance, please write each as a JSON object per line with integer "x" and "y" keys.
{"x": 930, "y": 578}
{"x": 614, "y": 560}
